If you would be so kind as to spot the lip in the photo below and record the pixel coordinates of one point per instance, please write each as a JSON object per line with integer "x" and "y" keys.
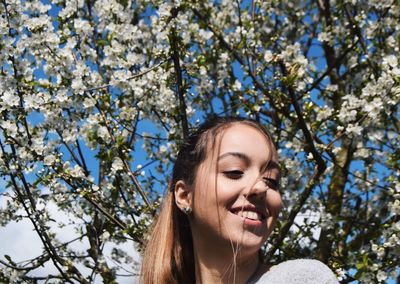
{"x": 249, "y": 207}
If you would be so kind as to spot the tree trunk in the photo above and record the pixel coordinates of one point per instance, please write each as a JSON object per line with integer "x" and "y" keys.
{"x": 335, "y": 197}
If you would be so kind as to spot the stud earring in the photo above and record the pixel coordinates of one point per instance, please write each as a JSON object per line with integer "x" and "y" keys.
{"x": 187, "y": 210}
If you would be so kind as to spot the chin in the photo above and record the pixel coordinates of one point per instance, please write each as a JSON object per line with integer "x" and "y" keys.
{"x": 246, "y": 237}
{"x": 247, "y": 249}
{"x": 249, "y": 241}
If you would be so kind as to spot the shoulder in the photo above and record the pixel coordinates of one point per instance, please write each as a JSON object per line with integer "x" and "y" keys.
{"x": 305, "y": 271}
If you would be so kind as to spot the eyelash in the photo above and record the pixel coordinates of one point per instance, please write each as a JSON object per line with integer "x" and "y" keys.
{"x": 233, "y": 174}
{"x": 271, "y": 183}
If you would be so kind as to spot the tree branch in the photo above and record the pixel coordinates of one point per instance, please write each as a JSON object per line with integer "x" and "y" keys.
{"x": 173, "y": 38}
{"x": 303, "y": 126}
{"x": 293, "y": 213}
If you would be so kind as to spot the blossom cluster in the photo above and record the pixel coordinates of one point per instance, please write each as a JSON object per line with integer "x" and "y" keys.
{"x": 97, "y": 96}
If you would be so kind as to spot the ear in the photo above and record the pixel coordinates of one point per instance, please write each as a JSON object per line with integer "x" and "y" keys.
{"x": 183, "y": 195}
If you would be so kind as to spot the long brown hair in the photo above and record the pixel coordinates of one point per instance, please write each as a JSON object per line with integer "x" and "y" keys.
{"x": 169, "y": 255}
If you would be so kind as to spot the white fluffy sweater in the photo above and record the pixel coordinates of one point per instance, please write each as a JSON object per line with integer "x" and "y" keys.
{"x": 299, "y": 271}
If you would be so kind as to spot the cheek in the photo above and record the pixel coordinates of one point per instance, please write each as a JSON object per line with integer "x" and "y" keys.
{"x": 225, "y": 193}
{"x": 204, "y": 197}
{"x": 274, "y": 203}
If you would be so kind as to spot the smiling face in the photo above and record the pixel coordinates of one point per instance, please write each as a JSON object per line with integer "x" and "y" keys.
{"x": 235, "y": 197}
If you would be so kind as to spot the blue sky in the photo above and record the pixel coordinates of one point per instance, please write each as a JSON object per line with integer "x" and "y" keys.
{"x": 148, "y": 127}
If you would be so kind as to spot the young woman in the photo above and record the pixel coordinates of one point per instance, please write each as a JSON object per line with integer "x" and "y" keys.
{"x": 221, "y": 206}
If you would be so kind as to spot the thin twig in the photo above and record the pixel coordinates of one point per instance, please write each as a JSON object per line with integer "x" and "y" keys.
{"x": 126, "y": 165}
{"x": 303, "y": 126}
{"x": 131, "y": 77}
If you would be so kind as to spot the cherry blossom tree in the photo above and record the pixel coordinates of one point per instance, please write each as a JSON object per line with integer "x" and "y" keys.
{"x": 96, "y": 96}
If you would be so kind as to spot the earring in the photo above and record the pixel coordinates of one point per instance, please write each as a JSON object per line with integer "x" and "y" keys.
{"x": 187, "y": 210}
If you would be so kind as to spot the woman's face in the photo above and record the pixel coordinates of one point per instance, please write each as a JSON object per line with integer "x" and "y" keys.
{"x": 236, "y": 199}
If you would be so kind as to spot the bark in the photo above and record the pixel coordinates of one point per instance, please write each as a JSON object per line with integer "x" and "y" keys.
{"x": 336, "y": 190}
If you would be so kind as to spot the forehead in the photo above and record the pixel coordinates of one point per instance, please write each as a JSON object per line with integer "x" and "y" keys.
{"x": 245, "y": 139}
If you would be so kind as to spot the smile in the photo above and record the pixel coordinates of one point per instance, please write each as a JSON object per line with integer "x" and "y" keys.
{"x": 250, "y": 215}
{"x": 249, "y": 212}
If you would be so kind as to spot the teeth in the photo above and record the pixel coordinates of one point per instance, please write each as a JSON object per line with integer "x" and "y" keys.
{"x": 249, "y": 215}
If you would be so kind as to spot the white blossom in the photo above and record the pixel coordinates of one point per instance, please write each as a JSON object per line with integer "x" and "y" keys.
{"x": 103, "y": 133}
{"x": 117, "y": 164}
{"x": 268, "y": 56}
{"x": 324, "y": 37}
{"x": 63, "y": 139}
{"x": 9, "y": 99}
{"x": 381, "y": 276}
{"x": 49, "y": 160}
{"x": 391, "y": 60}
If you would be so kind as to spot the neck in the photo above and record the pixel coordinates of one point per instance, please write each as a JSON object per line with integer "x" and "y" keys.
{"x": 220, "y": 265}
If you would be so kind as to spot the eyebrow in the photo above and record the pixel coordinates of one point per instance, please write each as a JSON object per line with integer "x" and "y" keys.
{"x": 270, "y": 165}
{"x": 239, "y": 155}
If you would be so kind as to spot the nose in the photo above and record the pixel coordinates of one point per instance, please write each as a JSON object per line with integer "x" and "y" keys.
{"x": 257, "y": 189}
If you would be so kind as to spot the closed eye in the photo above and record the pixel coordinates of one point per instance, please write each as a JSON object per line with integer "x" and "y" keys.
{"x": 271, "y": 183}
{"x": 236, "y": 174}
